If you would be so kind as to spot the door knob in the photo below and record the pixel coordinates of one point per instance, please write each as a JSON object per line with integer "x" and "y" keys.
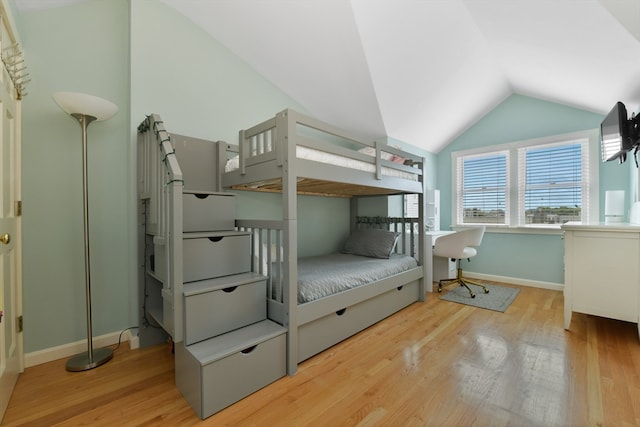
{"x": 5, "y": 238}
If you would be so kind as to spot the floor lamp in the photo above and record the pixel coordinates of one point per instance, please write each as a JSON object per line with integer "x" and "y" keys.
{"x": 86, "y": 109}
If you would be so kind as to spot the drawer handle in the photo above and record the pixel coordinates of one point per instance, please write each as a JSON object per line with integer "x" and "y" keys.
{"x": 400, "y": 288}
{"x": 341, "y": 311}
{"x": 201, "y": 196}
{"x": 229, "y": 289}
{"x": 216, "y": 239}
{"x": 249, "y": 350}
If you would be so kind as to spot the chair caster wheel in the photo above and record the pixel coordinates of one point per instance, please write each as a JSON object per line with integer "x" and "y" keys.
{"x": 439, "y": 289}
{"x": 486, "y": 291}
{"x": 473, "y": 295}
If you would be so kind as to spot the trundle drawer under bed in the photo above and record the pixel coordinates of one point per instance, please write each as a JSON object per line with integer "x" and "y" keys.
{"x": 322, "y": 333}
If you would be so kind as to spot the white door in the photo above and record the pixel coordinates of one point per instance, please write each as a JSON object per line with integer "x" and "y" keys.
{"x": 11, "y": 352}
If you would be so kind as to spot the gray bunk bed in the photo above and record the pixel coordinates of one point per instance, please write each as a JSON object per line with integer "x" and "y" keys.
{"x": 295, "y": 154}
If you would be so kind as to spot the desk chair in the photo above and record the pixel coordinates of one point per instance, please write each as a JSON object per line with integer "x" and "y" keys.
{"x": 457, "y": 246}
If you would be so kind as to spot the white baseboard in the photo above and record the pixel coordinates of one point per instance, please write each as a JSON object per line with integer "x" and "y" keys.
{"x": 515, "y": 281}
{"x": 67, "y": 350}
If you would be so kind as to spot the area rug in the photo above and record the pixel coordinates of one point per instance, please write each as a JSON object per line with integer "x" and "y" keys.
{"x": 498, "y": 299}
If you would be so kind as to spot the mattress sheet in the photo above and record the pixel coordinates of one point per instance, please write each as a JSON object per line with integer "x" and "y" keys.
{"x": 325, "y": 275}
{"x": 333, "y": 159}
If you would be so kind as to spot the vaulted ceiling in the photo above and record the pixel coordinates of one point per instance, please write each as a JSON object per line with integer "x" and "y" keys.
{"x": 424, "y": 71}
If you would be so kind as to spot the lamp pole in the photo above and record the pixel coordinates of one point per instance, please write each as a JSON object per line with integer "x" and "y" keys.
{"x": 86, "y": 109}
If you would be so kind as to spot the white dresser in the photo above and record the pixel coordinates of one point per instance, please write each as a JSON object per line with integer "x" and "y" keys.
{"x": 602, "y": 271}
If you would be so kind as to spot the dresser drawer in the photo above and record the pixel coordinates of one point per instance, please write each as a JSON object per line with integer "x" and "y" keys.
{"x": 216, "y": 306}
{"x": 218, "y": 372}
{"x": 209, "y": 255}
{"x": 208, "y": 212}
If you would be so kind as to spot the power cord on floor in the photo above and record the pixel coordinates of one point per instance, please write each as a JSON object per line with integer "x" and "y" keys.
{"x": 122, "y": 333}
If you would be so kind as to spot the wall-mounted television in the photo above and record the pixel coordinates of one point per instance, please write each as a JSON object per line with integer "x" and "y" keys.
{"x": 618, "y": 134}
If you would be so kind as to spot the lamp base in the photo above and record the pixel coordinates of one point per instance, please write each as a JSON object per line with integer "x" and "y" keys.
{"x": 80, "y": 362}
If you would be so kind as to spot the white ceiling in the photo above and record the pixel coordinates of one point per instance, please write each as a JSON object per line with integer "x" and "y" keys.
{"x": 423, "y": 71}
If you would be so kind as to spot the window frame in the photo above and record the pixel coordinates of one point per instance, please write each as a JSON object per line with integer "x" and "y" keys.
{"x": 512, "y": 218}
{"x": 458, "y": 185}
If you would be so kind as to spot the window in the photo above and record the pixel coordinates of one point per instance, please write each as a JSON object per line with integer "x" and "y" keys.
{"x": 550, "y": 185}
{"x": 483, "y": 188}
{"x": 537, "y": 183}
{"x": 411, "y": 205}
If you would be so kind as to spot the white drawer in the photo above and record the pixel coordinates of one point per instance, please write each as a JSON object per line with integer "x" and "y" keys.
{"x": 216, "y": 306}
{"x": 208, "y": 212}
{"x": 209, "y": 255}
{"x": 218, "y": 372}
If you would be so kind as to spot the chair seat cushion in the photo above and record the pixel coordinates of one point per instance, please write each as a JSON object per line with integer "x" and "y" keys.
{"x": 467, "y": 252}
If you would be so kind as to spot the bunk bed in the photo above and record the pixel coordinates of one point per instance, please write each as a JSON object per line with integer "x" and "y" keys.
{"x": 293, "y": 154}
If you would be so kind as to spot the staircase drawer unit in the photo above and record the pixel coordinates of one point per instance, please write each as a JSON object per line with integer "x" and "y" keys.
{"x": 216, "y": 306}
{"x": 218, "y": 372}
{"x": 207, "y": 211}
{"x": 209, "y": 255}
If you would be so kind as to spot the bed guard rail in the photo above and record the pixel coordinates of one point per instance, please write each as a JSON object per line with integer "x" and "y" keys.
{"x": 160, "y": 185}
{"x": 268, "y": 141}
{"x": 408, "y": 240}
{"x": 268, "y": 259}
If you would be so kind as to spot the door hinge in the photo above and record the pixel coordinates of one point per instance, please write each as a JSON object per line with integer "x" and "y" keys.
{"x": 18, "y": 208}
{"x": 19, "y": 324}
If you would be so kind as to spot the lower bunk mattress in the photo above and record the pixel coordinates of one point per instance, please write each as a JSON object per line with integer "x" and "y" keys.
{"x": 325, "y": 275}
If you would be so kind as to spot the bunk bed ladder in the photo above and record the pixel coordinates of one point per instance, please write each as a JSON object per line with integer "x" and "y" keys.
{"x": 197, "y": 283}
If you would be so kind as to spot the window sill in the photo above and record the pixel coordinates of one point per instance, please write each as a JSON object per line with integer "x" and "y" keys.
{"x": 517, "y": 230}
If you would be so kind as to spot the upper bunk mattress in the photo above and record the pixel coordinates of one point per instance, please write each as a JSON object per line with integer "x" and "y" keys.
{"x": 325, "y": 275}
{"x": 336, "y": 160}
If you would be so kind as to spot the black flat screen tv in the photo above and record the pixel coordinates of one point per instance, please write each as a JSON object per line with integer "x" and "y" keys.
{"x": 615, "y": 134}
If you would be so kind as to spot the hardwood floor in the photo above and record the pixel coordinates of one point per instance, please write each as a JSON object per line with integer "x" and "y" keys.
{"x": 435, "y": 363}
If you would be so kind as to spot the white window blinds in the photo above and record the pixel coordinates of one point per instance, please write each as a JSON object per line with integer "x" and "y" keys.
{"x": 483, "y": 188}
{"x": 553, "y": 182}
{"x": 411, "y": 206}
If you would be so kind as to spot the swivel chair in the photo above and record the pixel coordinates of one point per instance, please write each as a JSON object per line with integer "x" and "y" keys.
{"x": 457, "y": 246}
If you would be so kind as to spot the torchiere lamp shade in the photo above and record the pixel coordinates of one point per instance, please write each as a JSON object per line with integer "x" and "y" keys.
{"x": 89, "y": 105}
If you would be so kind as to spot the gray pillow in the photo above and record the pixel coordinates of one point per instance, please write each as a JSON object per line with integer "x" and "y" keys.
{"x": 373, "y": 243}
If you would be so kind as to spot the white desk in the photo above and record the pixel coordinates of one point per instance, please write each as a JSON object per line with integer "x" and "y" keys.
{"x": 437, "y": 267}
{"x": 602, "y": 271}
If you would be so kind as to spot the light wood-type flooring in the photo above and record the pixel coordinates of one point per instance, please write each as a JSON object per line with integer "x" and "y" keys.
{"x": 432, "y": 364}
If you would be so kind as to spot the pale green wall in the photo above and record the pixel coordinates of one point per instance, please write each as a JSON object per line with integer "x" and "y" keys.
{"x": 176, "y": 70}
{"x": 203, "y": 90}
{"x": 524, "y": 256}
{"x": 80, "y": 49}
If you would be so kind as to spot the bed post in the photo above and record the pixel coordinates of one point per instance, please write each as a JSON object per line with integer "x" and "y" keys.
{"x": 286, "y": 125}
{"x": 421, "y": 235}
{"x": 221, "y": 154}
{"x": 353, "y": 214}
